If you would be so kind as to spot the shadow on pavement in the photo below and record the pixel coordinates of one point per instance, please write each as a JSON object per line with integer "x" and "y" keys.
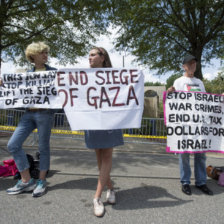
{"x": 131, "y": 199}
{"x": 78, "y": 158}
{"x": 83, "y": 184}
{"x": 146, "y": 197}
{"x": 212, "y": 184}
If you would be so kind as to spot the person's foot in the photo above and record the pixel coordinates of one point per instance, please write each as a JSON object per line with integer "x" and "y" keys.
{"x": 205, "y": 189}
{"x": 40, "y": 189}
{"x": 98, "y": 207}
{"x": 110, "y": 197}
{"x": 22, "y": 187}
{"x": 186, "y": 189}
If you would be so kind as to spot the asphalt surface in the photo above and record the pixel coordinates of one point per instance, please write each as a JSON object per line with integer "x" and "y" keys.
{"x": 146, "y": 180}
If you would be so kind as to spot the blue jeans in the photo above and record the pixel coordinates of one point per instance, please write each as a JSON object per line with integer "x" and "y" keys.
{"x": 199, "y": 168}
{"x": 42, "y": 120}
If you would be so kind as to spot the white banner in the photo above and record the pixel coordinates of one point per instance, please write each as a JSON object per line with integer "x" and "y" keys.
{"x": 93, "y": 99}
{"x": 28, "y": 90}
{"x": 195, "y": 122}
{"x": 102, "y": 98}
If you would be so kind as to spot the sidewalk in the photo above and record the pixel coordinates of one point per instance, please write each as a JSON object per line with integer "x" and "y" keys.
{"x": 146, "y": 180}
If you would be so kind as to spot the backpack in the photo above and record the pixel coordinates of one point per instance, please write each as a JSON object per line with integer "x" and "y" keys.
{"x": 34, "y": 168}
{"x": 9, "y": 168}
{"x": 214, "y": 172}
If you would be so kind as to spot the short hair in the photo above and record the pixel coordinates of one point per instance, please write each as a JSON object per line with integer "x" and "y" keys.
{"x": 34, "y": 49}
{"x": 101, "y": 51}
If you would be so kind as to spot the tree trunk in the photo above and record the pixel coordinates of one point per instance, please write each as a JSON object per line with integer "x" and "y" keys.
{"x": 198, "y": 72}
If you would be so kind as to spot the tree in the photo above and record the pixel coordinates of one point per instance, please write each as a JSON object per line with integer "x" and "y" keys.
{"x": 216, "y": 85}
{"x": 160, "y": 32}
{"x": 69, "y": 27}
{"x": 153, "y": 84}
{"x": 171, "y": 79}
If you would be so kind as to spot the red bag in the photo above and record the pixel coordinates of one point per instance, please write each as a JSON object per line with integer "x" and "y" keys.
{"x": 9, "y": 168}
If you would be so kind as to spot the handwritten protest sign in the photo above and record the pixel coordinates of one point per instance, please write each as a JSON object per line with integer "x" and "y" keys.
{"x": 92, "y": 99}
{"x": 195, "y": 122}
{"x": 31, "y": 89}
{"x": 102, "y": 98}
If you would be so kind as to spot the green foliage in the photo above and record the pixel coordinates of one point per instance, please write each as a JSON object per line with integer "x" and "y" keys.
{"x": 216, "y": 85}
{"x": 171, "y": 79}
{"x": 153, "y": 84}
{"x": 159, "y": 33}
{"x": 161, "y": 111}
{"x": 69, "y": 27}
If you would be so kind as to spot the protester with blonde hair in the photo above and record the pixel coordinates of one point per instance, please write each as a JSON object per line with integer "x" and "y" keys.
{"x": 36, "y": 53}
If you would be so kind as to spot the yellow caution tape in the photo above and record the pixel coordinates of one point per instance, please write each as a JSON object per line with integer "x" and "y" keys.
{"x": 53, "y": 131}
{"x": 66, "y": 132}
{"x": 7, "y": 128}
{"x": 69, "y": 132}
{"x": 144, "y": 136}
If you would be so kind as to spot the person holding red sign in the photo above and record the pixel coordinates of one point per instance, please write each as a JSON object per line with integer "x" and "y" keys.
{"x": 190, "y": 83}
{"x": 103, "y": 142}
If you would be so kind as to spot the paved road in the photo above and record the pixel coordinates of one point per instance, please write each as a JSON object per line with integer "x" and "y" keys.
{"x": 146, "y": 180}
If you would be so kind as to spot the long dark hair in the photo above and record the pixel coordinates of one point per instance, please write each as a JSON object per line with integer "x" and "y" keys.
{"x": 102, "y": 51}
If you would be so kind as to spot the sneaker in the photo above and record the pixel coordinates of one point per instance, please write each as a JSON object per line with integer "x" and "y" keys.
{"x": 22, "y": 187}
{"x": 110, "y": 197}
{"x": 40, "y": 189}
{"x": 98, "y": 207}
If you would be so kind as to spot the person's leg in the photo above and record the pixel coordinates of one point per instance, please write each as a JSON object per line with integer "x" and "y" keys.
{"x": 24, "y": 128}
{"x": 185, "y": 172}
{"x": 98, "y": 157}
{"x": 105, "y": 156}
{"x": 104, "y": 172}
{"x": 200, "y": 173}
{"x": 200, "y": 168}
{"x": 99, "y": 163}
{"x": 110, "y": 194}
{"x": 44, "y": 121}
{"x": 185, "y": 169}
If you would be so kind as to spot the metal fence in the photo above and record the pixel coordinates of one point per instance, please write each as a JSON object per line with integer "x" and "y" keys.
{"x": 152, "y": 130}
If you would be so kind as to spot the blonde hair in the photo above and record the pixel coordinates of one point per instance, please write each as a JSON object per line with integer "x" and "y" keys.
{"x": 34, "y": 49}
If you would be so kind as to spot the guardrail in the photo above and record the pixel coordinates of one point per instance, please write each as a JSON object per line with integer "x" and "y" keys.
{"x": 152, "y": 130}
